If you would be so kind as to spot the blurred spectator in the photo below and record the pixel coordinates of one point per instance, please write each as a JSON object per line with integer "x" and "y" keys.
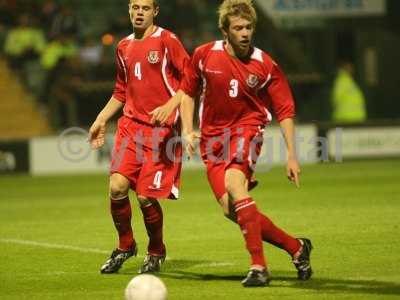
{"x": 62, "y": 100}
{"x": 348, "y": 100}
{"x": 189, "y": 38}
{"x": 56, "y": 52}
{"x": 186, "y": 14}
{"x": 208, "y": 36}
{"x": 63, "y": 46}
{"x": 23, "y": 46}
{"x": 121, "y": 26}
{"x": 54, "y": 69}
{"x": 99, "y": 81}
{"x": 24, "y": 42}
{"x": 49, "y": 11}
{"x": 210, "y": 32}
{"x": 65, "y": 23}
{"x": 7, "y": 18}
{"x": 91, "y": 51}
{"x": 7, "y": 13}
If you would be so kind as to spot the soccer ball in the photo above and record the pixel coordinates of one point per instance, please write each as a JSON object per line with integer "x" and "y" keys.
{"x": 146, "y": 287}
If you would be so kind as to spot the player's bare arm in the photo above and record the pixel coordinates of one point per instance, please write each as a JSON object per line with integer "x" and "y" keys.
{"x": 292, "y": 167}
{"x": 186, "y": 103}
{"x": 161, "y": 114}
{"x": 189, "y": 135}
{"x": 98, "y": 129}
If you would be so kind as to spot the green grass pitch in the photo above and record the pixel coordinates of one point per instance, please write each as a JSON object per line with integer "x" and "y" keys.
{"x": 55, "y": 232}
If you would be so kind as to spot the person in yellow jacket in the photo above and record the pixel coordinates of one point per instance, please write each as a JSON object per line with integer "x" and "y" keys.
{"x": 24, "y": 42}
{"x": 62, "y": 47}
{"x": 348, "y": 100}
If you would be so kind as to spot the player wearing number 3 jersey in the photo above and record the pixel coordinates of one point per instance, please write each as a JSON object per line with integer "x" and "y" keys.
{"x": 241, "y": 88}
{"x": 146, "y": 158}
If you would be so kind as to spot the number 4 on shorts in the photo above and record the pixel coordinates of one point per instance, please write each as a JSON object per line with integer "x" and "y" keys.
{"x": 157, "y": 180}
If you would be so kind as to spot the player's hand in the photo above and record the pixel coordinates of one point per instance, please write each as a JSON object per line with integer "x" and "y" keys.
{"x": 97, "y": 133}
{"x": 293, "y": 171}
{"x": 190, "y": 142}
{"x": 161, "y": 114}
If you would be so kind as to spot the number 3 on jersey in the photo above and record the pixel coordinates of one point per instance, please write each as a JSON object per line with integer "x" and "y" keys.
{"x": 138, "y": 71}
{"x": 234, "y": 90}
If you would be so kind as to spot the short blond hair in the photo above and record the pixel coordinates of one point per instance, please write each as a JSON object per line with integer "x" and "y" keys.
{"x": 236, "y": 8}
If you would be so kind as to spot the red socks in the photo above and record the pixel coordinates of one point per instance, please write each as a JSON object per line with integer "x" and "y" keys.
{"x": 257, "y": 227}
{"x": 121, "y": 213}
{"x": 276, "y": 236}
{"x": 153, "y": 220}
{"x": 247, "y": 218}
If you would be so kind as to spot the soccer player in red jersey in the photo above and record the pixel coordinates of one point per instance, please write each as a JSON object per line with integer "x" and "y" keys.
{"x": 145, "y": 158}
{"x": 241, "y": 88}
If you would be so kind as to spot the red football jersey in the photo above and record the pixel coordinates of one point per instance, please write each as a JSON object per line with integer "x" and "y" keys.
{"x": 236, "y": 92}
{"x": 149, "y": 72}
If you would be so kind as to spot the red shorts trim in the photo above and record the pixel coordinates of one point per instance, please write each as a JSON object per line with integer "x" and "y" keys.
{"x": 149, "y": 157}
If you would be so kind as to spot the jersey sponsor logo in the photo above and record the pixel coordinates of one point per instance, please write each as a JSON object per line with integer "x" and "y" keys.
{"x": 153, "y": 57}
{"x": 252, "y": 81}
{"x": 213, "y": 71}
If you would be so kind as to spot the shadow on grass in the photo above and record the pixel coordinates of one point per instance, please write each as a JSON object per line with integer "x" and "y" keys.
{"x": 334, "y": 285}
{"x": 174, "y": 269}
{"x": 288, "y": 280}
{"x": 173, "y": 264}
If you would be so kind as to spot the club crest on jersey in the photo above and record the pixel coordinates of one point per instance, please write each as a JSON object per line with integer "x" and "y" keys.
{"x": 153, "y": 57}
{"x": 252, "y": 81}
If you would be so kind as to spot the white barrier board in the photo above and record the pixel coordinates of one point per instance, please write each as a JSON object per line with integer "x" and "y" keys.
{"x": 71, "y": 153}
{"x": 322, "y": 8}
{"x": 365, "y": 142}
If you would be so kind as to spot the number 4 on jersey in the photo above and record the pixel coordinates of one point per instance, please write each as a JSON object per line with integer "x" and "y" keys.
{"x": 138, "y": 71}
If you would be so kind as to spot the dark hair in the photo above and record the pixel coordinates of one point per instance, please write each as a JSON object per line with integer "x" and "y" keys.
{"x": 155, "y": 3}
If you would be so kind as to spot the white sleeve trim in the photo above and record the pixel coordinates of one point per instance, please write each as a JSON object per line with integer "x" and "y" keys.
{"x": 265, "y": 83}
{"x": 164, "y": 74}
{"x": 123, "y": 66}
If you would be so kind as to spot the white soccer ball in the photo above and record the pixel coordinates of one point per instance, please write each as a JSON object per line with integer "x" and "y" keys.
{"x": 146, "y": 287}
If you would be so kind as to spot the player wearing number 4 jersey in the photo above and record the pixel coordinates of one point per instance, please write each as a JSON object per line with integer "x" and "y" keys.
{"x": 145, "y": 158}
{"x": 241, "y": 88}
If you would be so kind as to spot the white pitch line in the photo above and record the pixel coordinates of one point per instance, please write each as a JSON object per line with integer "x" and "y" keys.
{"x": 214, "y": 264}
{"x": 97, "y": 251}
{"x": 53, "y": 246}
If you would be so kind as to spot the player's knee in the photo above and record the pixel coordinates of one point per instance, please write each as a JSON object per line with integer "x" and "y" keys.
{"x": 229, "y": 184}
{"x": 234, "y": 189}
{"x": 235, "y": 182}
{"x": 119, "y": 186}
{"x": 230, "y": 187}
{"x": 145, "y": 201}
